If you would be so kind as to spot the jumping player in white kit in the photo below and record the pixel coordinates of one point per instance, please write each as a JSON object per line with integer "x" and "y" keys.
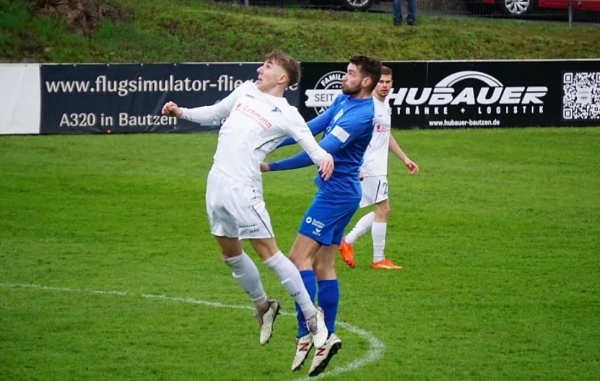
{"x": 259, "y": 118}
{"x": 374, "y": 184}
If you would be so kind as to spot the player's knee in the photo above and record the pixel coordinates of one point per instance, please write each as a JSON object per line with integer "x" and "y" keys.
{"x": 294, "y": 257}
{"x": 318, "y": 266}
{"x": 300, "y": 259}
{"x": 382, "y": 210}
{"x": 265, "y": 248}
{"x": 324, "y": 270}
{"x": 303, "y": 251}
{"x": 230, "y": 247}
{"x": 324, "y": 263}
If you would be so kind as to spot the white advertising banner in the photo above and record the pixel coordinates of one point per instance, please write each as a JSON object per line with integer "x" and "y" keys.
{"x": 20, "y": 99}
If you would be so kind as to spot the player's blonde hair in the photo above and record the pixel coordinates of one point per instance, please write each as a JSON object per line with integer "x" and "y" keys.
{"x": 288, "y": 63}
{"x": 386, "y": 70}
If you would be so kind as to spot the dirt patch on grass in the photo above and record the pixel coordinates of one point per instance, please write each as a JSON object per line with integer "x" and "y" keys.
{"x": 81, "y": 16}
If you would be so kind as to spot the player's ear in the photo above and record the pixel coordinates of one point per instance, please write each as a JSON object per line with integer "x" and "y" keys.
{"x": 283, "y": 79}
{"x": 366, "y": 82}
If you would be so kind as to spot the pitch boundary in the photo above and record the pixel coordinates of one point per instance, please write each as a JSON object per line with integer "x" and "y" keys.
{"x": 375, "y": 352}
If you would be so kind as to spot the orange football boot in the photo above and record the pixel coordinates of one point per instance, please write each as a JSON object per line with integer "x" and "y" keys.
{"x": 347, "y": 253}
{"x": 385, "y": 264}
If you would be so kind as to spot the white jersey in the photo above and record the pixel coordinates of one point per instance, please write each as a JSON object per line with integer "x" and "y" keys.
{"x": 256, "y": 124}
{"x": 375, "y": 160}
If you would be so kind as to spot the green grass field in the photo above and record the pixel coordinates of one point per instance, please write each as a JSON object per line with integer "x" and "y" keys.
{"x": 203, "y": 31}
{"x": 107, "y": 266}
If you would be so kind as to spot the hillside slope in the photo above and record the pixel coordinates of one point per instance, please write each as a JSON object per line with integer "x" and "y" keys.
{"x": 179, "y": 30}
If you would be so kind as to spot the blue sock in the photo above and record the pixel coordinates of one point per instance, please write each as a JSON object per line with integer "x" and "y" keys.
{"x": 310, "y": 282}
{"x": 329, "y": 299}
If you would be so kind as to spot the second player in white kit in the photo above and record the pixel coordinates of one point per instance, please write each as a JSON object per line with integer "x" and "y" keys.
{"x": 374, "y": 180}
{"x": 259, "y": 118}
{"x": 374, "y": 168}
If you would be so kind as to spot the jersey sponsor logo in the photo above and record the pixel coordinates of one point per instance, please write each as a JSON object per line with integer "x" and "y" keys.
{"x": 254, "y": 114}
{"x": 311, "y": 221}
{"x": 485, "y": 95}
{"x": 318, "y": 225}
{"x": 327, "y": 88}
{"x": 382, "y": 127}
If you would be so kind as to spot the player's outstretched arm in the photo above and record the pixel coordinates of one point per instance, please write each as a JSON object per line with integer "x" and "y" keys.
{"x": 205, "y": 113}
{"x": 332, "y": 143}
{"x": 301, "y": 133}
{"x": 301, "y": 160}
{"x": 316, "y": 125}
{"x": 396, "y": 150}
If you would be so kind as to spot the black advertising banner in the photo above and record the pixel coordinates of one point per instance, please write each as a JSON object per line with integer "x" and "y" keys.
{"x": 101, "y": 98}
{"x": 506, "y": 94}
{"x": 322, "y": 82}
{"x": 474, "y": 94}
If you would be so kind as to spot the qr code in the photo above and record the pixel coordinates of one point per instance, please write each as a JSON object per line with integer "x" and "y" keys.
{"x": 581, "y": 96}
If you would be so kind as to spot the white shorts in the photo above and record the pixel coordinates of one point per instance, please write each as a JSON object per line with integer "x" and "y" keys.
{"x": 374, "y": 190}
{"x": 236, "y": 210}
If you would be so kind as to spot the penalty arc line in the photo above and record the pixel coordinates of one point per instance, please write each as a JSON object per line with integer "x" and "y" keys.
{"x": 375, "y": 352}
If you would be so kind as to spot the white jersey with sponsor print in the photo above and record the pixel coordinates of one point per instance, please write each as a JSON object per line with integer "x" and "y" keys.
{"x": 375, "y": 160}
{"x": 256, "y": 124}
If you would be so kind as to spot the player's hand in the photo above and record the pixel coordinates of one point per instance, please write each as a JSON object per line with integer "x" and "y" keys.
{"x": 264, "y": 167}
{"x": 412, "y": 166}
{"x": 171, "y": 109}
{"x": 361, "y": 175}
{"x": 326, "y": 167}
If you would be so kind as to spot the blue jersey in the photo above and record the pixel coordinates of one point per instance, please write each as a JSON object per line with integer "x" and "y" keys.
{"x": 348, "y": 126}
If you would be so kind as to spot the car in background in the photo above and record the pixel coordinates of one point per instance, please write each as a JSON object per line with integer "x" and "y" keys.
{"x": 351, "y": 5}
{"x": 518, "y": 8}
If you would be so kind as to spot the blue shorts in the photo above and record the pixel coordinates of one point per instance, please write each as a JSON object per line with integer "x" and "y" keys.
{"x": 326, "y": 219}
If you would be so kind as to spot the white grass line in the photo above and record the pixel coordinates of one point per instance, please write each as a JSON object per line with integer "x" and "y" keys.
{"x": 375, "y": 352}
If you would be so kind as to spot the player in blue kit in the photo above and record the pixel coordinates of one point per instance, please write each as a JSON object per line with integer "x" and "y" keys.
{"x": 348, "y": 126}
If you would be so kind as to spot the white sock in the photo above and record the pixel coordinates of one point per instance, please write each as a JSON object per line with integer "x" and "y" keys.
{"x": 291, "y": 280}
{"x": 361, "y": 227}
{"x": 378, "y": 234}
{"x": 246, "y": 274}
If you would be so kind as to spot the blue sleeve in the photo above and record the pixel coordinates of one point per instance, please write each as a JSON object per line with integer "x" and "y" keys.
{"x": 287, "y": 142}
{"x": 331, "y": 144}
{"x": 344, "y": 133}
{"x": 316, "y": 125}
{"x": 299, "y": 160}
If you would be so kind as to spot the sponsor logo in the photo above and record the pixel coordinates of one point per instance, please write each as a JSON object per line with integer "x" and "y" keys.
{"x": 318, "y": 225}
{"x": 382, "y": 127}
{"x": 327, "y": 88}
{"x": 487, "y": 96}
{"x": 254, "y": 114}
{"x": 491, "y": 97}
